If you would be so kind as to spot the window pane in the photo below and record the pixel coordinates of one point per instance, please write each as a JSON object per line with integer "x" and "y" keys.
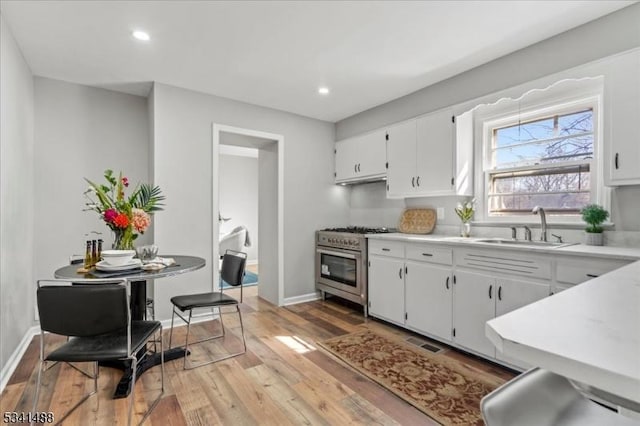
{"x": 545, "y": 181}
{"x": 556, "y": 190}
{"x": 567, "y": 202}
{"x": 525, "y": 132}
{"x": 550, "y": 140}
{"x": 544, "y": 152}
{"x": 579, "y": 122}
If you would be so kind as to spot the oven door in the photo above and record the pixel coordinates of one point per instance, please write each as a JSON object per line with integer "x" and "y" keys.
{"x": 339, "y": 269}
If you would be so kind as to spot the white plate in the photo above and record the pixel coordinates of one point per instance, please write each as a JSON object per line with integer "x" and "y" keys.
{"x": 104, "y": 266}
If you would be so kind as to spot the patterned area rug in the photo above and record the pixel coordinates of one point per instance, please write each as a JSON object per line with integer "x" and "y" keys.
{"x": 441, "y": 388}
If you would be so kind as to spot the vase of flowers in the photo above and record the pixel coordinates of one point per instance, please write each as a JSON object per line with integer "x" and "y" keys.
{"x": 125, "y": 216}
{"x": 465, "y": 213}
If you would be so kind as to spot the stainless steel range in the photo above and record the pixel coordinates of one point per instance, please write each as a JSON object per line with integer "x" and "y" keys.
{"x": 341, "y": 262}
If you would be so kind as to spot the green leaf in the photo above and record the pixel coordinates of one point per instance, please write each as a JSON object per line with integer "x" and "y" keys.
{"x": 149, "y": 198}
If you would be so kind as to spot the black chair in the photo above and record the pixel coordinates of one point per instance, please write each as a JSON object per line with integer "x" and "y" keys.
{"x": 232, "y": 272}
{"x": 97, "y": 322}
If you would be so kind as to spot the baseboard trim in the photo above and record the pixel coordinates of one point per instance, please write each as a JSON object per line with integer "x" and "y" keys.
{"x": 208, "y": 316}
{"x": 302, "y": 299}
{"x": 16, "y": 356}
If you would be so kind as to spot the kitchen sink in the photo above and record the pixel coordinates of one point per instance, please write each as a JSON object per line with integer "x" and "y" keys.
{"x": 522, "y": 243}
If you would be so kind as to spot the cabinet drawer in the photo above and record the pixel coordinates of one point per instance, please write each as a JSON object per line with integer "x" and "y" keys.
{"x": 573, "y": 271}
{"x": 430, "y": 254}
{"x": 386, "y": 248}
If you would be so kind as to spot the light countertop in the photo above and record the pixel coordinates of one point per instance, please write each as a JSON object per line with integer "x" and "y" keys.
{"x": 589, "y": 333}
{"x": 581, "y": 250}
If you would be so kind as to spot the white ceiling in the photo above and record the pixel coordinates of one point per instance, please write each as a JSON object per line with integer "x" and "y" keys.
{"x": 276, "y": 54}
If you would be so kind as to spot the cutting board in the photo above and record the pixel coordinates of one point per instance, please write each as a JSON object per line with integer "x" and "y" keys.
{"x": 417, "y": 221}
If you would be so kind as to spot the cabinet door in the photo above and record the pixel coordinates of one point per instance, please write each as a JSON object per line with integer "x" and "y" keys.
{"x": 428, "y": 298}
{"x": 401, "y": 154}
{"x": 434, "y": 153}
{"x": 513, "y": 294}
{"x": 624, "y": 101}
{"x": 372, "y": 154}
{"x": 474, "y": 304}
{"x": 386, "y": 289}
{"x": 346, "y": 159}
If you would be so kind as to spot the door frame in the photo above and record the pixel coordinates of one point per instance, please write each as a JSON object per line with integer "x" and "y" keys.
{"x": 279, "y": 140}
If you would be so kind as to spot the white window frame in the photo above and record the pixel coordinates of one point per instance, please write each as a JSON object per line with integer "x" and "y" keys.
{"x": 500, "y": 115}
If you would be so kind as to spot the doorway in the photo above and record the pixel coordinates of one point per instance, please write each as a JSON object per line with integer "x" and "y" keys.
{"x": 270, "y": 148}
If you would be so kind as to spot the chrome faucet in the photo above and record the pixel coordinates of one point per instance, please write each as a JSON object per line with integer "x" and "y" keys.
{"x": 543, "y": 220}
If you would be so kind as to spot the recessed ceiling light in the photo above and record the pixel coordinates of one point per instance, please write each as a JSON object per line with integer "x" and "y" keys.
{"x": 141, "y": 35}
{"x": 323, "y": 90}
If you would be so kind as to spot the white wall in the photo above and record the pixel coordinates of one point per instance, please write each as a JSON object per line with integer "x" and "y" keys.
{"x": 79, "y": 132}
{"x": 239, "y": 197}
{"x": 17, "y": 285}
{"x": 182, "y": 164}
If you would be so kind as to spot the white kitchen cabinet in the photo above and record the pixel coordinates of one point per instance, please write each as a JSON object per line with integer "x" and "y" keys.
{"x": 474, "y": 305}
{"x": 513, "y": 294}
{"x": 435, "y": 153}
{"x": 622, "y": 112}
{"x": 361, "y": 158}
{"x": 571, "y": 270}
{"x": 426, "y": 158}
{"x": 386, "y": 288}
{"x": 480, "y": 297}
{"x": 401, "y": 155}
{"x": 428, "y": 298}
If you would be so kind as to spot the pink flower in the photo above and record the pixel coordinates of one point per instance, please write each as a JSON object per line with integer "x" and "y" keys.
{"x": 110, "y": 215}
{"x": 125, "y": 181}
{"x": 141, "y": 220}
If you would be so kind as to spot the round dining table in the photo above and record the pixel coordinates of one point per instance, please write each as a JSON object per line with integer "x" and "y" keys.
{"x": 137, "y": 279}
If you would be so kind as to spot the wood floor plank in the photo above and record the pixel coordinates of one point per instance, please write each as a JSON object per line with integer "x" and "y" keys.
{"x": 284, "y": 378}
{"x": 394, "y": 407}
{"x": 257, "y": 401}
{"x": 291, "y": 403}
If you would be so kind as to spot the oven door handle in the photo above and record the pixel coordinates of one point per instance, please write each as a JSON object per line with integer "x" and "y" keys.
{"x": 337, "y": 254}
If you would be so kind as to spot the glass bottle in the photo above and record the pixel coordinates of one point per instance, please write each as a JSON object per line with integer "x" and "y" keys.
{"x": 99, "y": 250}
{"x": 87, "y": 256}
{"x": 94, "y": 252}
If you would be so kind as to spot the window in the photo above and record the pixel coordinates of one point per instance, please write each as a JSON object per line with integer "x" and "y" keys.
{"x": 546, "y": 161}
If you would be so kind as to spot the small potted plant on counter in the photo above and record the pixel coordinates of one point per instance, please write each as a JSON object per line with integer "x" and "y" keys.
{"x": 594, "y": 215}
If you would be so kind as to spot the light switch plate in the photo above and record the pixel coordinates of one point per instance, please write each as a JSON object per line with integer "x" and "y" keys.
{"x": 440, "y": 213}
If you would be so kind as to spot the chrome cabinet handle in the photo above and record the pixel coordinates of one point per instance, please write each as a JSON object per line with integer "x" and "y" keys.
{"x": 418, "y": 181}
{"x": 446, "y": 284}
{"x": 427, "y": 254}
{"x": 593, "y": 276}
{"x": 500, "y": 293}
{"x": 491, "y": 291}
{"x": 400, "y": 273}
{"x": 413, "y": 179}
{"x": 616, "y": 160}
{"x": 385, "y": 249}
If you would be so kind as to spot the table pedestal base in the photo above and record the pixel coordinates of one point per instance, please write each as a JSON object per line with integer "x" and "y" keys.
{"x": 150, "y": 360}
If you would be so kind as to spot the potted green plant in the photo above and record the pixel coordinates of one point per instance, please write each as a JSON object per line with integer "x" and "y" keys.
{"x": 594, "y": 215}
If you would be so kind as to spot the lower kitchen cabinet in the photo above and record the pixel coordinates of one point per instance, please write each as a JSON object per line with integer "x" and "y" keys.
{"x": 474, "y": 305}
{"x": 386, "y": 288}
{"x": 480, "y": 297}
{"x": 428, "y": 302}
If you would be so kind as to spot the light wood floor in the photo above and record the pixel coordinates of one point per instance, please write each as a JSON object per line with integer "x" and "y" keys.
{"x": 284, "y": 378}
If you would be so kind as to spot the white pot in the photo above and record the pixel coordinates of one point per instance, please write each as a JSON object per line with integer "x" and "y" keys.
{"x": 594, "y": 239}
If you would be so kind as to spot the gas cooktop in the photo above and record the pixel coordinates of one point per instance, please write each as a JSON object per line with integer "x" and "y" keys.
{"x": 359, "y": 230}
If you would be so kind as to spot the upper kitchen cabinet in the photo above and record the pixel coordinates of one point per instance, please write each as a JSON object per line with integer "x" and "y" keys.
{"x": 361, "y": 158}
{"x": 622, "y": 114}
{"x": 430, "y": 156}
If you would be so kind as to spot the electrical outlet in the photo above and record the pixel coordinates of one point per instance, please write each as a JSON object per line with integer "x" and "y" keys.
{"x": 440, "y": 213}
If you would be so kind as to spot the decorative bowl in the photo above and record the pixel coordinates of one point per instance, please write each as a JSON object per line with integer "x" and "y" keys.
{"x": 118, "y": 257}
